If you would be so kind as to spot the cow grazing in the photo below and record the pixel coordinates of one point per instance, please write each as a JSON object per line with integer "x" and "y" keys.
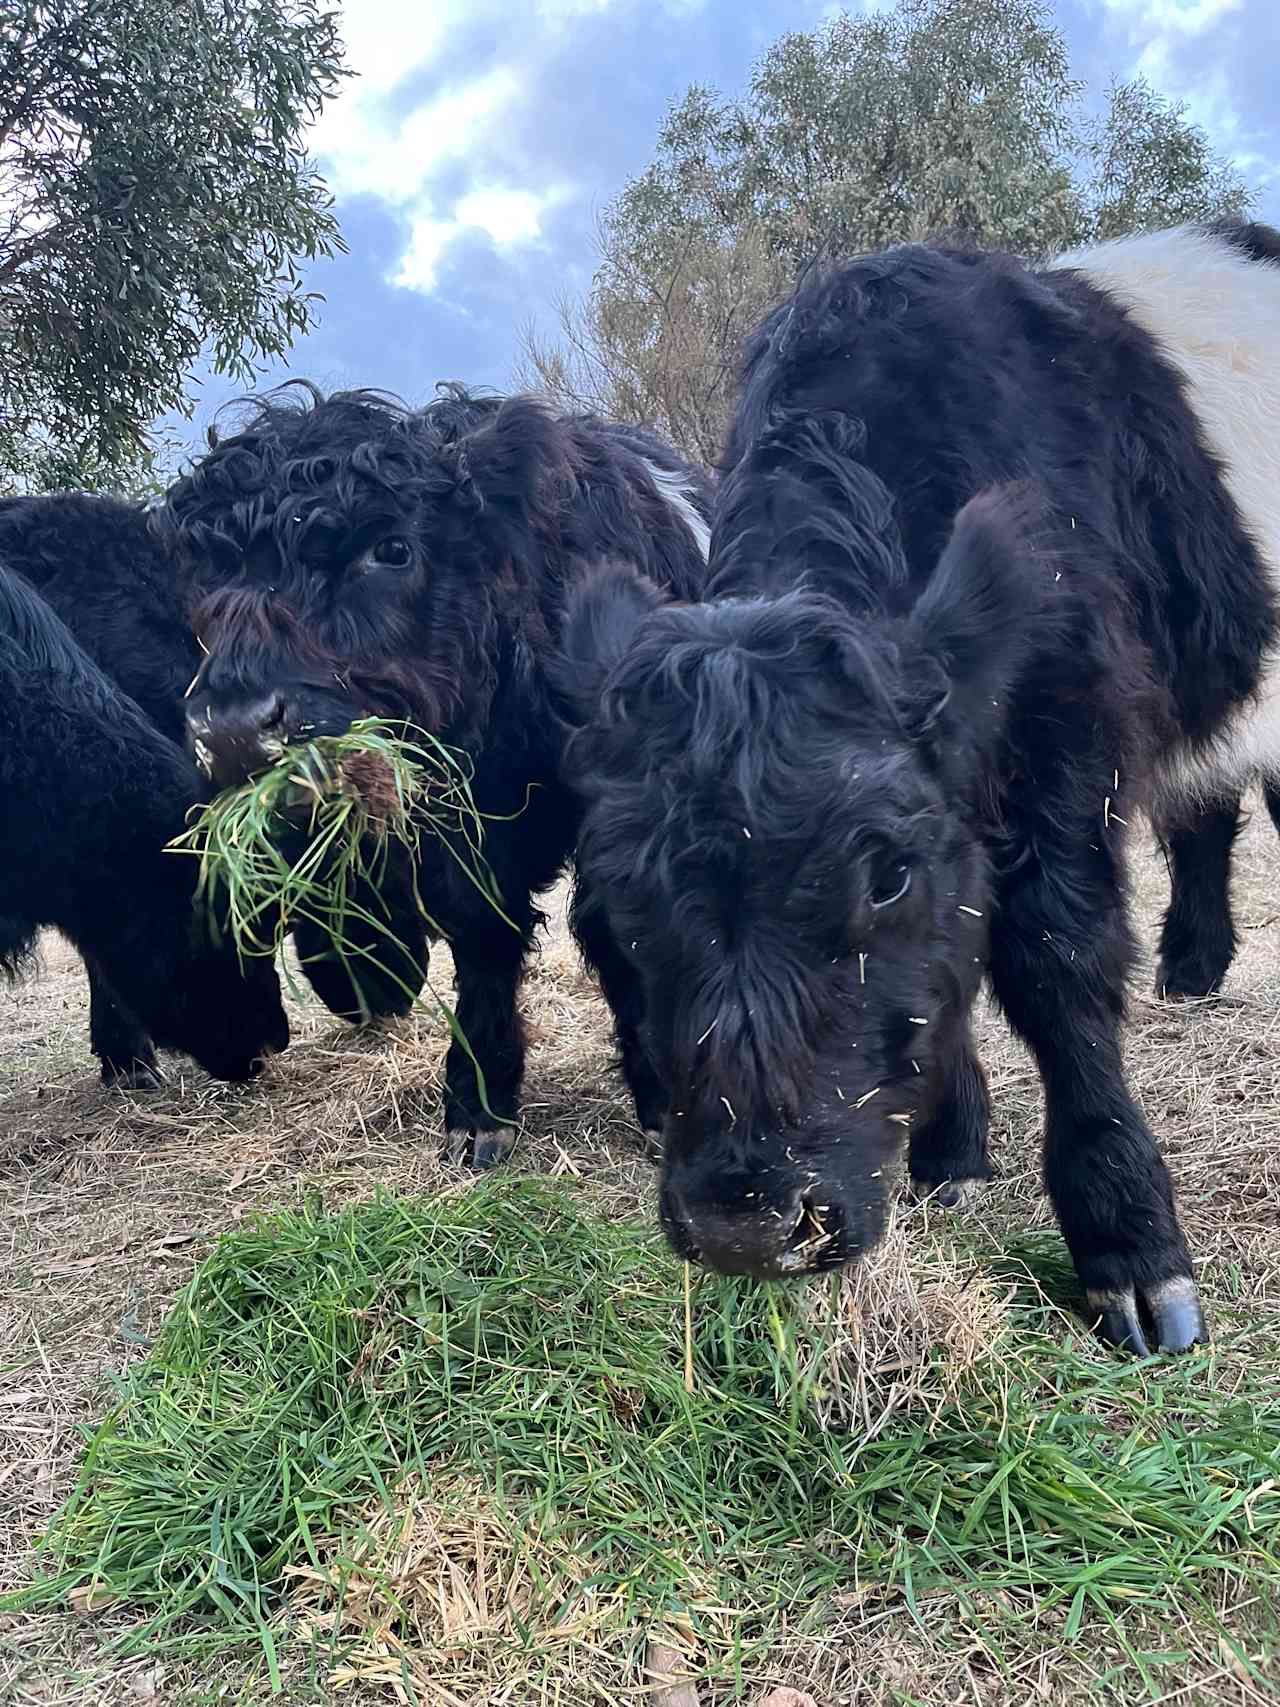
{"x": 899, "y": 742}
{"x": 90, "y": 792}
{"x": 100, "y": 565}
{"x": 356, "y": 557}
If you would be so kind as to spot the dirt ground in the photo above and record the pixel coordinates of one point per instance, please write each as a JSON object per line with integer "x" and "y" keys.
{"x": 108, "y": 1201}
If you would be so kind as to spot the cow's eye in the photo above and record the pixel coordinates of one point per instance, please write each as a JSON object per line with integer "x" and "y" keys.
{"x": 889, "y": 884}
{"x": 393, "y": 553}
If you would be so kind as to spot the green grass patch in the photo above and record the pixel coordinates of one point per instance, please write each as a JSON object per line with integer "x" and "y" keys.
{"x": 511, "y": 1341}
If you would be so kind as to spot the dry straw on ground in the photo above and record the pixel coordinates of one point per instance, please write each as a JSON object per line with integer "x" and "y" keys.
{"x": 913, "y": 1320}
{"x": 443, "y": 1595}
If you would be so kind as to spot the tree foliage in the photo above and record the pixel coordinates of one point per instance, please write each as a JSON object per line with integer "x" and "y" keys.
{"x": 952, "y": 117}
{"x": 155, "y": 201}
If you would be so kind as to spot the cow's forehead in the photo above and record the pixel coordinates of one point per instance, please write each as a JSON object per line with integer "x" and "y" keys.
{"x": 344, "y": 500}
{"x": 321, "y": 452}
{"x": 789, "y": 816}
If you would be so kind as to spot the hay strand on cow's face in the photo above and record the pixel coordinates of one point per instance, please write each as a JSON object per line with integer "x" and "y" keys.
{"x": 345, "y": 799}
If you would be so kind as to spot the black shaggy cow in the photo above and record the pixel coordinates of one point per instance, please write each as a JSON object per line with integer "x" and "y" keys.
{"x": 90, "y": 792}
{"x": 355, "y": 557}
{"x": 900, "y": 742}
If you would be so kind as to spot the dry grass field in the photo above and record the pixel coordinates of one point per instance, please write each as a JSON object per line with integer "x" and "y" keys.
{"x": 108, "y": 1203}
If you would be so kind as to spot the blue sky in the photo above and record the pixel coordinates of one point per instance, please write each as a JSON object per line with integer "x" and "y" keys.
{"x": 473, "y": 151}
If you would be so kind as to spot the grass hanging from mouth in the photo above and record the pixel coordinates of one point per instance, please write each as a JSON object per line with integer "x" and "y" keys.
{"x": 344, "y": 800}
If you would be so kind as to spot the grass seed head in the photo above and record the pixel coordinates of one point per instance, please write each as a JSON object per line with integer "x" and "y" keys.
{"x": 373, "y": 782}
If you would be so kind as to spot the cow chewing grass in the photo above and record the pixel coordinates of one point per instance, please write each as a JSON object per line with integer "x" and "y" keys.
{"x": 99, "y": 565}
{"x": 349, "y": 556}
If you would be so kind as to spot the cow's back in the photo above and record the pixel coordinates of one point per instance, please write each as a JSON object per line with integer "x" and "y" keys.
{"x": 1209, "y": 298}
{"x": 95, "y": 562}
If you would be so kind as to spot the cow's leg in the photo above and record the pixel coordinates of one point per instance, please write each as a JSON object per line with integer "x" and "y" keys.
{"x": 1061, "y": 954}
{"x": 488, "y": 958}
{"x": 625, "y": 995}
{"x": 947, "y": 1154}
{"x": 1271, "y": 794}
{"x": 125, "y": 1053}
{"x": 1198, "y": 941}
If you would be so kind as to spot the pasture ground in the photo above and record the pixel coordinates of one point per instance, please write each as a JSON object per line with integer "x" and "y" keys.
{"x": 107, "y": 1204}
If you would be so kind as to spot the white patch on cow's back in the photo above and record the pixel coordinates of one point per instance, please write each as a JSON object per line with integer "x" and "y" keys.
{"x": 1216, "y": 316}
{"x": 676, "y": 492}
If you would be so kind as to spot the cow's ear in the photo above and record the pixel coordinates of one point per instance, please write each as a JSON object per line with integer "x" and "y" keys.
{"x": 502, "y": 470}
{"x": 604, "y": 609}
{"x": 970, "y": 629}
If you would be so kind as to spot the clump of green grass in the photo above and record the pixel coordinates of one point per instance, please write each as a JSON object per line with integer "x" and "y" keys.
{"x": 510, "y": 1341}
{"x": 309, "y": 839}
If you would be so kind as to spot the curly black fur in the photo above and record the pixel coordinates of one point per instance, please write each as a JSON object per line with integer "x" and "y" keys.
{"x": 90, "y": 792}
{"x": 94, "y": 561}
{"x": 898, "y": 746}
{"x": 353, "y": 556}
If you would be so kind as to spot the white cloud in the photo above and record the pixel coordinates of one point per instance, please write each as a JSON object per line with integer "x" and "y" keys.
{"x": 1179, "y": 17}
{"x": 365, "y": 145}
{"x": 509, "y": 217}
{"x": 367, "y": 149}
{"x": 387, "y": 39}
{"x": 1190, "y": 51}
{"x": 1208, "y": 101}
{"x": 565, "y": 11}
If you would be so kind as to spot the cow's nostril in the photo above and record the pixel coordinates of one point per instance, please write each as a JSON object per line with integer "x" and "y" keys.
{"x": 273, "y": 715}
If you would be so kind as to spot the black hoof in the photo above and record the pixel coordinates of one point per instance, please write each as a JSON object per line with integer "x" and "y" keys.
{"x": 363, "y": 998}
{"x": 481, "y": 1150}
{"x": 651, "y": 1107}
{"x": 135, "y": 1075}
{"x": 1174, "y": 1309}
{"x": 651, "y": 1143}
{"x": 1187, "y": 984}
{"x": 949, "y": 1193}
